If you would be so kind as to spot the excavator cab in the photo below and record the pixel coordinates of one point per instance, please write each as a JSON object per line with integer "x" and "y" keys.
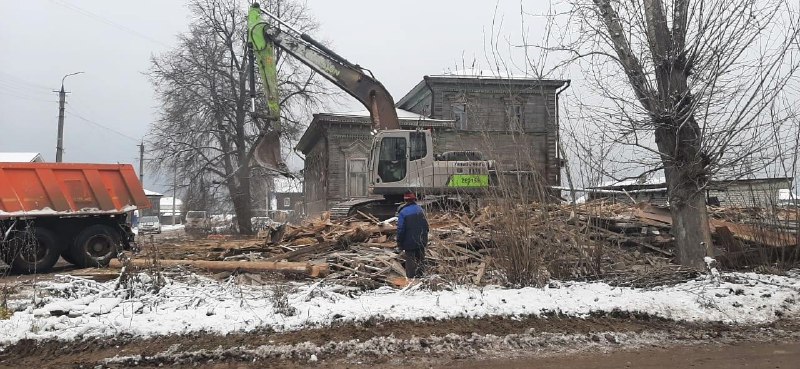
{"x": 401, "y": 160}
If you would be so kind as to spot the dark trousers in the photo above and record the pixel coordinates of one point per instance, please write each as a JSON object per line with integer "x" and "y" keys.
{"x": 415, "y": 263}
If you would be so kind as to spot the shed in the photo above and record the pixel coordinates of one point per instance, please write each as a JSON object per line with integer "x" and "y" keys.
{"x": 743, "y": 193}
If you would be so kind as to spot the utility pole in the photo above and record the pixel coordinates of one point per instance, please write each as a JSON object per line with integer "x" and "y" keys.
{"x": 174, "y": 190}
{"x": 62, "y": 100}
{"x": 141, "y": 163}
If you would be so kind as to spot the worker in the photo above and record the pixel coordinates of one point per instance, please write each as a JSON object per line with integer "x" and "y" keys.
{"x": 412, "y": 234}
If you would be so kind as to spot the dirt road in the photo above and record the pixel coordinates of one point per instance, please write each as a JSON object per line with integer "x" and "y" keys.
{"x": 598, "y": 342}
{"x": 740, "y": 355}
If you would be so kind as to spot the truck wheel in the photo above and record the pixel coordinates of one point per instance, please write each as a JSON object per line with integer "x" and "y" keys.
{"x": 67, "y": 256}
{"x": 95, "y": 246}
{"x": 38, "y": 256}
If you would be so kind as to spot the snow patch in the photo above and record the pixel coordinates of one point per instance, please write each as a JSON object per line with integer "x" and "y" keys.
{"x": 80, "y": 308}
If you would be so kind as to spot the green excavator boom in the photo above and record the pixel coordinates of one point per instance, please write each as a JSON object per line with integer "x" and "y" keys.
{"x": 267, "y": 149}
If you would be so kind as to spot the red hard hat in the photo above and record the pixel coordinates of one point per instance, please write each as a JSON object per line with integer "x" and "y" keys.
{"x": 409, "y": 196}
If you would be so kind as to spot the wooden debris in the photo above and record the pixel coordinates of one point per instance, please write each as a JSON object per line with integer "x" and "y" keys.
{"x": 628, "y": 244}
{"x": 312, "y": 270}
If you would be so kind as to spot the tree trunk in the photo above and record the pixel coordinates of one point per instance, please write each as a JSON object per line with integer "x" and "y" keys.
{"x": 685, "y": 170}
{"x": 240, "y": 195}
{"x": 690, "y": 226}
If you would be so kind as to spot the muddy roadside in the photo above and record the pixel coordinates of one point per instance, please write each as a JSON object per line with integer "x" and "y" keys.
{"x": 390, "y": 344}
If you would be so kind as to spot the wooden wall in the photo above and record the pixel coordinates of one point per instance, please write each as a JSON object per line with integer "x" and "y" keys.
{"x": 491, "y": 126}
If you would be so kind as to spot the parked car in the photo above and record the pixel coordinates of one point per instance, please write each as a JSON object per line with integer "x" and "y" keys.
{"x": 149, "y": 224}
{"x": 262, "y": 223}
{"x": 197, "y": 223}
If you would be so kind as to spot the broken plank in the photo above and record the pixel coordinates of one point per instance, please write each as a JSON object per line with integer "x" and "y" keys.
{"x": 319, "y": 248}
{"x": 369, "y": 217}
{"x": 624, "y": 238}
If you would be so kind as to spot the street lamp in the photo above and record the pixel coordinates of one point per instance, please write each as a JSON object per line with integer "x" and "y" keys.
{"x": 62, "y": 97}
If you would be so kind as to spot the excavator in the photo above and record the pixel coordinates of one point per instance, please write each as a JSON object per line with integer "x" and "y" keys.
{"x": 400, "y": 160}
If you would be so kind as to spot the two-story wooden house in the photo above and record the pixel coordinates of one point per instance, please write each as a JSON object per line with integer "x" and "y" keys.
{"x": 513, "y": 121}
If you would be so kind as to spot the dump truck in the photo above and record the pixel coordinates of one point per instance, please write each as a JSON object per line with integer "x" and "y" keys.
{"x": 75, "y": 211}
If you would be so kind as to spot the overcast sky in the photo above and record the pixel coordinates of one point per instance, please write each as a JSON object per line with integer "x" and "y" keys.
{"x": 111, "y": 105}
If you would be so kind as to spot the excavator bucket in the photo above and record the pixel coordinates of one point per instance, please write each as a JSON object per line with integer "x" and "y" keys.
{"x": 267, "y": 153}
{"x": 267, "y": 149}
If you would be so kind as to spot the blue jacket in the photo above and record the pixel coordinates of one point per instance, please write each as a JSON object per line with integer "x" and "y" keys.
{"x": 412, "y": 227}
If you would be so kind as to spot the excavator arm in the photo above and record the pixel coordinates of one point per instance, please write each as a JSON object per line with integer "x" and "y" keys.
{"x": 356, "y": 81}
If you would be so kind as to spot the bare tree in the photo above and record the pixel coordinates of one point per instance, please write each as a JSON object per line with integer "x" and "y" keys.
{"x": 693, "y": 88}
{"x": 205, "y": 129}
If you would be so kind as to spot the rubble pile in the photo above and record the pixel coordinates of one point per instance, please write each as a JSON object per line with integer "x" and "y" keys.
{"x": 464, "y": 248}
{"x": 619, "y": 243}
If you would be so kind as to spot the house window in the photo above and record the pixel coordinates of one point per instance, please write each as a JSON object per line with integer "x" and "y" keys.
{"x": 419, "y": 148}
{"x": 515, "y": 117}
{"x": 460, "y": 115}
{"x": 357, "y": 177}
{"x": 287, "y": 202}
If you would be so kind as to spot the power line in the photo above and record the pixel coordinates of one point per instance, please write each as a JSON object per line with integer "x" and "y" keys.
{"x": 5, "y": 93}
{"x": 102, "y": 126}
{"x": 12, "y": 78}
{"x": 107, "y": 21}
{"x": 20, "y": 85}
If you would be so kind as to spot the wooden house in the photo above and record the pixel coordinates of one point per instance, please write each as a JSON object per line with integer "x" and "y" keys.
{"x": 513, "y": 121}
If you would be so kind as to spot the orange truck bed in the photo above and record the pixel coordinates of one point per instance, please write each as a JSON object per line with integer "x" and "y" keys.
{"x": 68, "y": 189}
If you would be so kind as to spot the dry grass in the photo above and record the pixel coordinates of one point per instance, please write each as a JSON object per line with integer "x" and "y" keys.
{"x": 5, "y": 312}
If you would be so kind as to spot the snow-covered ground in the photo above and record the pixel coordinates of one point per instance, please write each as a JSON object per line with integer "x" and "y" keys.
{"x": 79, "y": 308}
{"x": 171, "y": 227}
{"x": 164, "y": 228}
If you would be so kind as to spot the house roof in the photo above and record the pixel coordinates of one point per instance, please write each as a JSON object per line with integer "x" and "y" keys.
{"x": 21, "y": 157}
{"x": 152, "y": 193}
{"x": 786, "y": 194}
{"x": 407, "y": 119}
{"x": 166, "y": 203}
{"x": 661, "y": 182}
{"x": 422, "y": 90}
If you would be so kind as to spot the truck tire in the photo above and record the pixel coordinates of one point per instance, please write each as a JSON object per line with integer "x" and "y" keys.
{"x": 34, "y": 257}
{"x": 67, "y": 256}
{"x": 95, "y": 246}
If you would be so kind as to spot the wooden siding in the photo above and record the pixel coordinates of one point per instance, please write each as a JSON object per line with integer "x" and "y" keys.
{"x": 315, "y": 178}
{"x": 534, "y": 140}
{"x": 748, "y": 195}
{"x": 346, "y": 141}
{"x": 511, "y": 151}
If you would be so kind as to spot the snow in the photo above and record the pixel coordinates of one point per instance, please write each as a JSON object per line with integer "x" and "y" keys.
{"x": 20, "y": 157}
{"x": 79, "y": 308}
{"x": 649, "y": 181}
{"x": 401, "y": 114}
{"x": 152, "y": 193}
{"x": 483, "y": 73}
{"x": 785, "y": 194}
{"x": 46, "y": 211}
{"x": 171, "y": 227}
{"x": 165, "y": 206}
